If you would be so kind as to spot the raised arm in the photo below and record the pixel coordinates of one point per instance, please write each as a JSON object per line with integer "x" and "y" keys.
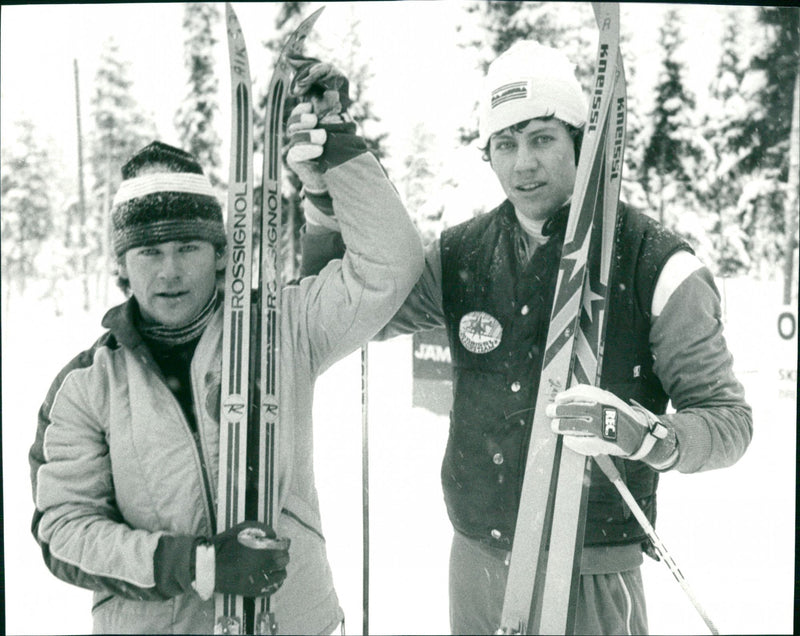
{"x": 352, "y": 298}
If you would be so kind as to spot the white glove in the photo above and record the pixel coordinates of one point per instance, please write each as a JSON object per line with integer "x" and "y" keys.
{"x": 597, "y": 422}
{"x": 306, "y": 143}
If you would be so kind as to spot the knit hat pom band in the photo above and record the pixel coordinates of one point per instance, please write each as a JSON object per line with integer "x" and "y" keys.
{"x": 163, "y": 182}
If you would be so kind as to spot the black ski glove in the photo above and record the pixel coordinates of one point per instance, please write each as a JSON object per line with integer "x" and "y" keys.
{"x": 323, "y": 85}
{"x": 248, "y": 560}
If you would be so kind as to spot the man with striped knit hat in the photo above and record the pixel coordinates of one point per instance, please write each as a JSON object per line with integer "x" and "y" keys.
{"x": 124, "y": 465}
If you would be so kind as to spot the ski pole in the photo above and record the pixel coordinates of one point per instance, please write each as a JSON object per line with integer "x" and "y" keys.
{"x": 607, "y": 466}
{"x": 365, "y": 483}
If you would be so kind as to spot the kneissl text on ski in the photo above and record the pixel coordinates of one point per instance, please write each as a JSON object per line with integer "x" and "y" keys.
{"x": 534, "y": 570}
{"x": 559, "y": 594}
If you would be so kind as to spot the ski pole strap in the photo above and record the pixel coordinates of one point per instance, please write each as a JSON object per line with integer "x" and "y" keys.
{"x": 655, "y": 431}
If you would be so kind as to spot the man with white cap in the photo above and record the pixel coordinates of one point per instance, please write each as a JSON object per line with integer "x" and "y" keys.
{"x": 490, "y": 282}
{"x": 124, "y": 465}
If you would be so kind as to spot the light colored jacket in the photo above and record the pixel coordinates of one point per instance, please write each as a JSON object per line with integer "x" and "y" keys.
{"x": 115, "y": 464}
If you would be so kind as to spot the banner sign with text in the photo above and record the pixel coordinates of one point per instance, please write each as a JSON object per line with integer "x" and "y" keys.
{"x": 433, "y": 387}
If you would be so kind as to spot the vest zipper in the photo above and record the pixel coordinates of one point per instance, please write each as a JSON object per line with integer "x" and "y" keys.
{"x": 206, "y": 485}
{"x": 198, "y": 446}
{"x": 198, "y": 441}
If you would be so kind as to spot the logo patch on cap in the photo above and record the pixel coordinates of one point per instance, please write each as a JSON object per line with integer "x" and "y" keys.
{"x": 509, "y": 92}
{"x": 480, "y": 332}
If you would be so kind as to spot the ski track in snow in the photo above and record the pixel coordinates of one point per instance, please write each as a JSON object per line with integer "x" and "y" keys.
{"x": 730, "y": 531}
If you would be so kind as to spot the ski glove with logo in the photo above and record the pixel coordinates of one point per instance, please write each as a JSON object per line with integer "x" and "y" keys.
{"x": 597, "y": 422}
{"x": 247, "y": 560}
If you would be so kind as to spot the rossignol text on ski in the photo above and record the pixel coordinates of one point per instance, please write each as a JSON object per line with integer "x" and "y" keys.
{"x": 250, "y": 409}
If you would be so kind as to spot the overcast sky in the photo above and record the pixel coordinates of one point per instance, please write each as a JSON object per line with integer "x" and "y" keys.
{"x": 420, "y": 73}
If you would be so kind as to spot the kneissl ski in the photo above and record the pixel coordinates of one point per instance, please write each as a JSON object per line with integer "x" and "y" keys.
{"x": 250, "y": 394}
{"x": 559, "y": 595}
{"x": 552, "y": 473}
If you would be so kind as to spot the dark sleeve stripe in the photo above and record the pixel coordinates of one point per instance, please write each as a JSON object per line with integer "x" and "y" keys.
{"x": 63, "y": 570}
{"x": 74, "y": 575}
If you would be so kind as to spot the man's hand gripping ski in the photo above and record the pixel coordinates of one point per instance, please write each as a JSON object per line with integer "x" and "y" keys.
{"x": 320, "y": 118}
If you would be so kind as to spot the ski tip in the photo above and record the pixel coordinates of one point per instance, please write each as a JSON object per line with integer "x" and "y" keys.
{"x": 294, "y": 45}
{"x": 230, "y": 13}
{"x": 232, "y": 22}
{"x": 606, "y": 13}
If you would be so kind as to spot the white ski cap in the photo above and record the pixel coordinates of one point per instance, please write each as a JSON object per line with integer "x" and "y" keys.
{"x": 529, "y": 80}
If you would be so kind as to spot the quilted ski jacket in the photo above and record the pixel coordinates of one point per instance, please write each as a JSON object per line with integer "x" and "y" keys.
{"x": 115, "y": 464}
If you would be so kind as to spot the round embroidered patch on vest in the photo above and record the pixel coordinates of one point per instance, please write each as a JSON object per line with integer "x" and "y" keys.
{"x": 479, "y": 332}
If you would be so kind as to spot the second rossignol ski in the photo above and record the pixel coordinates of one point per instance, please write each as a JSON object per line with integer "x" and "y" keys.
{"x": 549, "y": 533}
{"x": 250, "y": 393}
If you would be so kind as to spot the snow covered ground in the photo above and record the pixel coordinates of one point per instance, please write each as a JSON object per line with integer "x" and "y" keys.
{"x": 731, "y": 531}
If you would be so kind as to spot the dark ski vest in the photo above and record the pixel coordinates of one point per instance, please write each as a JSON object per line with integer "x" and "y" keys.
{"x": 497, "y": 312}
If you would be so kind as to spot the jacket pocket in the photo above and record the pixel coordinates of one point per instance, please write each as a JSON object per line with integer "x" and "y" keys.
{"x": 117, "y": 615}
{"x": 303, "y": 515}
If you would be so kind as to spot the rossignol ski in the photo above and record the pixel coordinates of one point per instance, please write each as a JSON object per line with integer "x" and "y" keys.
{"x": 231, "y": 615}
{"x": 250, "y": 392}
{"x": 545, "y": 559}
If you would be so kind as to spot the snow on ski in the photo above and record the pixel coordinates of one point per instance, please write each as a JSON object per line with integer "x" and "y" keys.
{"x": 250, "y": 394}
{"x": 533, "y": 571}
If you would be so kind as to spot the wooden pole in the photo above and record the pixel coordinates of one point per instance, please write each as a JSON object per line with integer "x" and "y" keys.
{"x": 84, "y": 265}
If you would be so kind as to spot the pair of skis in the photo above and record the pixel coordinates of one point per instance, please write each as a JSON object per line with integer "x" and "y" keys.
{"x": 544, "y": 570}
{"x": 250, "y": 394}
{"x": 541, "y": 590}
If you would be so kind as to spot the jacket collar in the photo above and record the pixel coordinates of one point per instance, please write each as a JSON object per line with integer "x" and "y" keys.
{"x": 556, "y": 224}
{"x": 121, "y": 321}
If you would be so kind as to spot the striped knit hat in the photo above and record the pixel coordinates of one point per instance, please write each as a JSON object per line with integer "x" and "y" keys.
{"x": 164, "y": 196}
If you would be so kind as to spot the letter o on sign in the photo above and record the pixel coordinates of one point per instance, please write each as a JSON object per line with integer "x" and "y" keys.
{"x": 787, "y": 325}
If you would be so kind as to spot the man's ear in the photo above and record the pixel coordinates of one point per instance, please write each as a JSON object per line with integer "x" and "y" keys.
{"x": 122, "y": 271}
